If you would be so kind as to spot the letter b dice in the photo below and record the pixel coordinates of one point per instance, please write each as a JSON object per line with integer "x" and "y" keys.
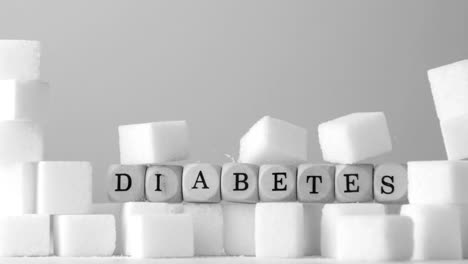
{"x": 239, "y": 182}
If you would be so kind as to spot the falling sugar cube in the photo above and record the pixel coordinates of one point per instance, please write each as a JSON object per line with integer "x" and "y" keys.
{"x": 449, "y": 85}
{"x": 24, "y": 235}
{"x": 64, "y": 187}
{"x": 18, "y": 188}
{"x": 437, "y": 182}
{"x": 437, "y": 231}
{"x": 355, "y": 137}
{"x": 19, "y": 59}
{"x": 279, "y": 230}
{"x": 21, "y": 141}
{"x": 331, "y": 213}
{"x": 239, "y": 229}
{"x": 162, "y": 236}
{"x": 272, "y": 140}
{"x": 84, "y": 235}
{"x": 151, "y": 143}
{"x": 24, "y": 100}
{"x": 374, "y": 238}
{"x": 142, "y": 208}
{"x": 208, "y": 228}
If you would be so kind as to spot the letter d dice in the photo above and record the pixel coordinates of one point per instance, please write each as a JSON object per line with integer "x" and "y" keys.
{"x": 126, "y": 183}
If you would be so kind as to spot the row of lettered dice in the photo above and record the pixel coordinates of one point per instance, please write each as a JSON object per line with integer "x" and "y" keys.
{"x": 247, "y": 183}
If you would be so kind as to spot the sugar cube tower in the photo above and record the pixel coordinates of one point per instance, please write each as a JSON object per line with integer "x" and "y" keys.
{"x": 271, "y": 203}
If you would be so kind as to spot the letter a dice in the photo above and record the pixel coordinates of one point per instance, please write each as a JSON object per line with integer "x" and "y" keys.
{"x": 201, "y": 183}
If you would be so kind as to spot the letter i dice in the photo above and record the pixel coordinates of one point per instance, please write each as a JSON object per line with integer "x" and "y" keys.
{"x": 353, "y": 183}
{"x": 126, "y": 183}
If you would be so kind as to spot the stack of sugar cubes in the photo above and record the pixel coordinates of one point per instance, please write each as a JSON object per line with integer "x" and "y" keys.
{"x": 437, "y": 189}
{"x": 269, "y": 203}
{"x": 42, "y": 202}
{"x": 364, "y": 230}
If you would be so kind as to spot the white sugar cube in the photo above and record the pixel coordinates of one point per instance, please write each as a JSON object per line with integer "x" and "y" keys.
{"x": 239, "y": 229}
{"x": 437, "y": 182}
{"x": 272, "y": 140}
{"x": 354, "y": 137}
{"x": 374, "y": 238}
{"x": 21, "y": 141}
{"x": 142, "y": 208}
{"x": 437, "y": 232}
{"x": 279, "y": 230}
{"x": 84, "y": 235}
{"x": 449, "y": 85}
{"x": 150, "y": 143}
{"x": 312, "y": 224}
{"x": 463, "y": 213}
{"x": 208, "y": 228}
{"x": 18, "y": 188}
{"x": 162, "y": 236}
{"x": 19, "y": 59}
{"x": 114, "y": 209}
{"x": 64, "y": 187}
{"x": 455, "y": 134}
{"x": 24, "y": 100}
{"x": 24, "y": 235}
{"x": 330, "y": 216}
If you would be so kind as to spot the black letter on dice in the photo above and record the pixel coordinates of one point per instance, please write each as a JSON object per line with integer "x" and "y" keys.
{"x": 388, "y": 184}
{"x": 279, "y": 181}
{"x": 314, "y": 185}
{"x": 119, "y": 182}
{"x": 238, "y": 181}
{"x": 158, "y": 182}
{"x": 351, "y": 182}
{"x": 200, "y": 179}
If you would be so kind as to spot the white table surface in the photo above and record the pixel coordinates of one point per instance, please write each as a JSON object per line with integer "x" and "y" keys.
{"x": 217, "y": 260}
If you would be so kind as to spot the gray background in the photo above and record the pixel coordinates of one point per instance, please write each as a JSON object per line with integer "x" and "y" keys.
{"x": 222, "y": 65}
